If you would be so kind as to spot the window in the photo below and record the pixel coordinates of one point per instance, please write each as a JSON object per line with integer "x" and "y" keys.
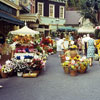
{"x": 40, "y": 8}
{"x": 51, "y": 10}
{"x": 61, "y": 12}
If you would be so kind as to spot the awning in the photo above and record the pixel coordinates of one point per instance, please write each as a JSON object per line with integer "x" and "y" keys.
{"x": 10, "y": 19}
{"x": 66, "y": 29}
{"x": 52, "y": 21}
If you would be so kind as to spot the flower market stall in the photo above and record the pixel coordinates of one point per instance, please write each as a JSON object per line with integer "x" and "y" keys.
{"x": 27, "y": 60}
{"x": 74, "y": 63}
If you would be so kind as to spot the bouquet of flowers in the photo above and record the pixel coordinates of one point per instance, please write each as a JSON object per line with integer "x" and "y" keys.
{"x": 20, "y": 66}
{"x": 8, "y": 67}
{"x": 37, "y": 64}
{"x": 76, "y": 63}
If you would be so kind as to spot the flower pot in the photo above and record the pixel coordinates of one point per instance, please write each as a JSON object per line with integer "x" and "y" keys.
{"x": 73, "y": 72}
{"x": 19, "y": 74}
{"x": 4, "y": 75}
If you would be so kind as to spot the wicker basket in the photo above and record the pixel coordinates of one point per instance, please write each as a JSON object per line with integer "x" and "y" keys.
{"x": 31, "y": 75}
{"x": 73, "y": 72}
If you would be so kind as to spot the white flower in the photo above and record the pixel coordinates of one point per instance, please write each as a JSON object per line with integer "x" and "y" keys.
{"x": 67, "y": 58}
{"x": 8, "y": 62}
{"x": 84, "y": 57}
{"x": 81, "y": 59}
{"x": 73, "y": 62}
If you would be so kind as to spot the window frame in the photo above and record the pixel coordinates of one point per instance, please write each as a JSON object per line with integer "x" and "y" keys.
{"x": 42, "y": 8}
{"x": 60, "y": 12}
{"x": 53, "y": 10}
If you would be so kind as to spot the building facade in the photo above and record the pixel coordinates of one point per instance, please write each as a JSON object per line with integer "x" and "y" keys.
{"x": 9, "y": 12}
{"x": 28, "y": 14}
{"x": 52, "y": 13}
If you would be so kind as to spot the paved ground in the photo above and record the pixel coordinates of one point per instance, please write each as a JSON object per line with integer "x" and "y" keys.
{"x": 53, "y": 84}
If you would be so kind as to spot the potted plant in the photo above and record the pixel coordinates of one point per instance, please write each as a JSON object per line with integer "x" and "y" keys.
{"x": 5, "y": 70}
{"x": 20, "y": 67}
{"x": 83, "y": 65}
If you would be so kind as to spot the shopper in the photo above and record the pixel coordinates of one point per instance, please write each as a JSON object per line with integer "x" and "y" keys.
{"x": 90, "y": 50}
{"x": 60, "y": 45}
{"x": 65, "y": 44}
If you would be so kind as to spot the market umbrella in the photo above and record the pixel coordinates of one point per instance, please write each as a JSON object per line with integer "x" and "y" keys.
{"x": 24, "y": 31}
{"x": 86, "y": 29}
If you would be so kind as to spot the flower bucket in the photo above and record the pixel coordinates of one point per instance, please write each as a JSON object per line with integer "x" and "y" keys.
{"x": 4, "y": 75}
{"x": 19, "y": 74}
{"x": 73, "y": 72}
{"x": 66, "y": 70}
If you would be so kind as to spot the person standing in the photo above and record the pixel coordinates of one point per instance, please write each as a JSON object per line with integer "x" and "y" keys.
{"x": 79, "y": 43}
{"x": 90, "y": 50}
{"x": 83, "y": 44}
{"x": 65, "y": 44}
{"x": 59, "y": 46}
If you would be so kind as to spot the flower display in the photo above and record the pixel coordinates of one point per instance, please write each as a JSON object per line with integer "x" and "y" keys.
{"x": 73, "y": 47}
{"x": 6, "y": 69}
{"x": 22, "y": 39}
{"x": 37, "y": 64}
{"x": 20, "y": 66}
{"x": 76, "y": 63}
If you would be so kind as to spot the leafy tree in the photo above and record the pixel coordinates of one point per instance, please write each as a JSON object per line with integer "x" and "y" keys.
{"x": 73, "y": 3}
{"x": 89, "y": 9}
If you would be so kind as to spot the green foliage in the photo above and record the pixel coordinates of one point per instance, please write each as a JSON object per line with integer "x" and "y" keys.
{"x": 88, "y": 12}
{"x": 73, "y": 3}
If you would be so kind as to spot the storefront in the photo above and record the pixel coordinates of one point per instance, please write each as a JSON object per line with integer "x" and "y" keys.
{"x": 8, "y": 19}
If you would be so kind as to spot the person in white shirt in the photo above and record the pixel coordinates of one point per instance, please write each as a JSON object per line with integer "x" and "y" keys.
{"x": 83, "y": 44}
{"x": 59, "y": 46}
{"x": 65, "y": 44}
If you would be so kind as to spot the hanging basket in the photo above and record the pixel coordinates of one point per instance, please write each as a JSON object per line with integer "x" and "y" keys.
{"x": 4, "y": 75}
{"x": 73, "y": 72}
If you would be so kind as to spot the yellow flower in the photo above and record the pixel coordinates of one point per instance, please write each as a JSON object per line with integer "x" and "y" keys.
{"x": 73, "y": 47}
